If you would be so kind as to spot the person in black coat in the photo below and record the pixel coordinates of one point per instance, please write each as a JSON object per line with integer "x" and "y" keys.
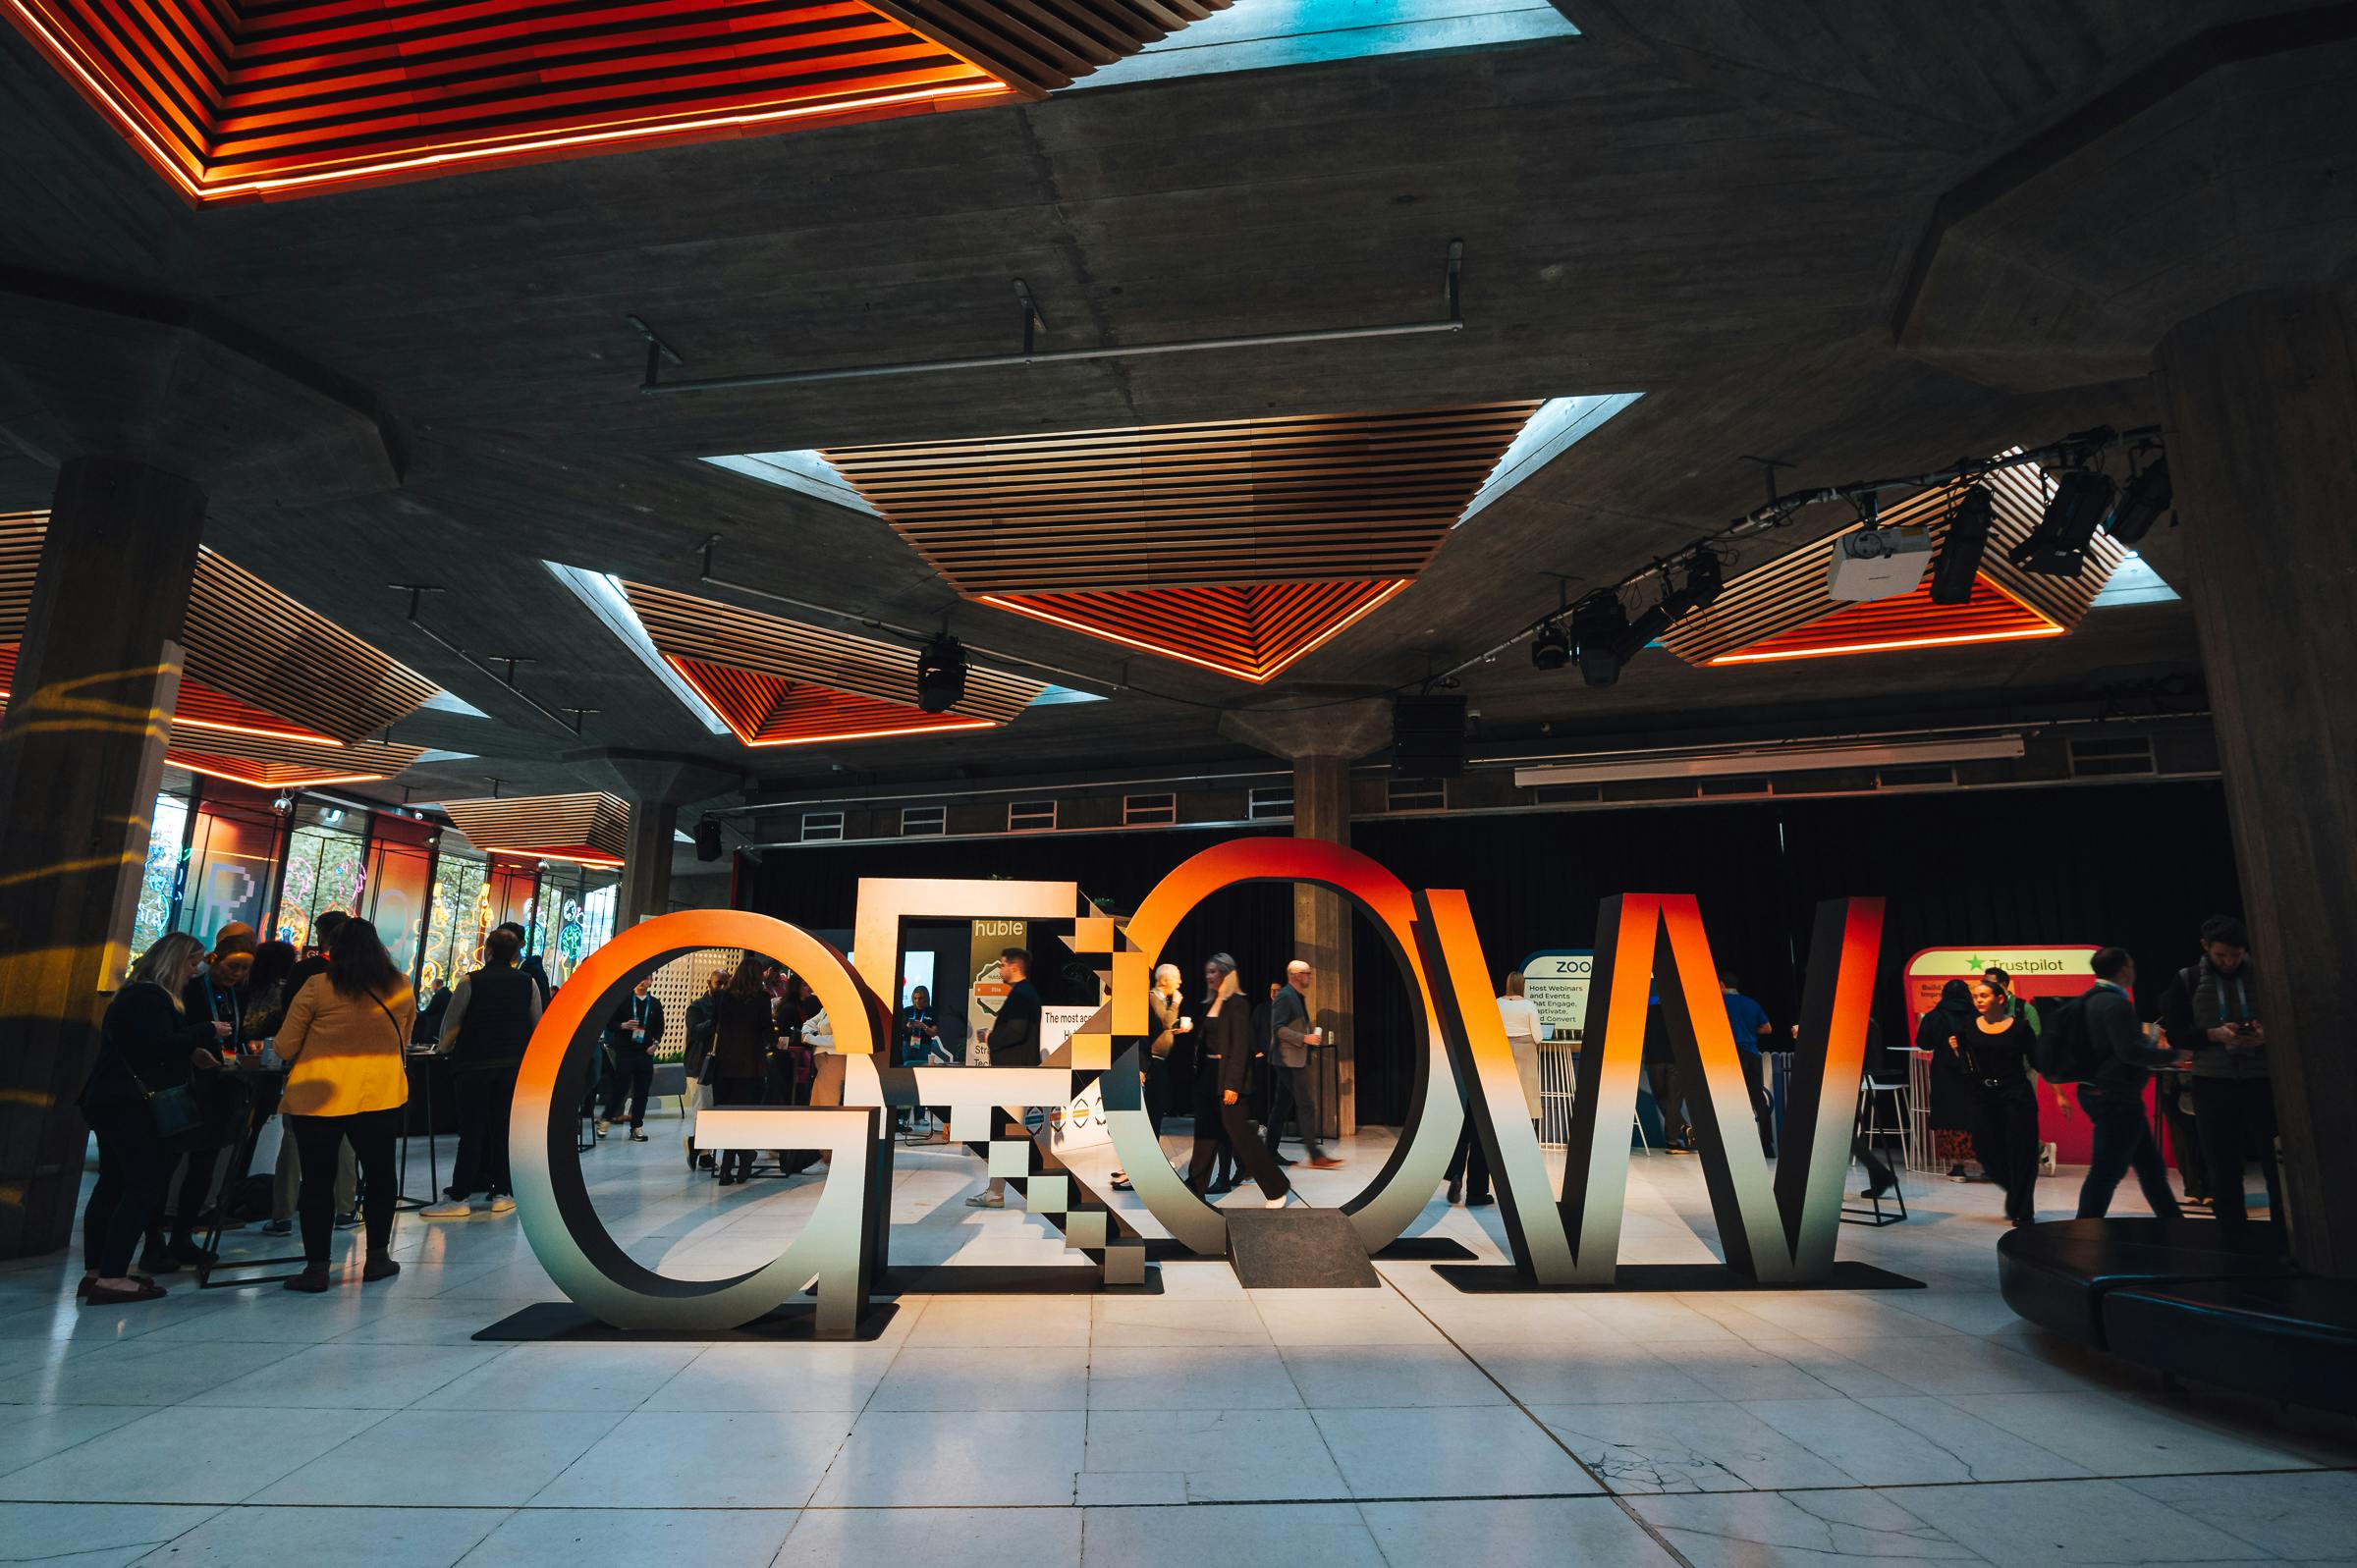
{"x": 147, "y": 1044}
{"x": 632, "y": 1034}
{"x": 1952, "y": 1105}
{"x": 1222, "y": 1080}
{"x": 1996, "y": 1051}
{"x": 485, "y": 1033}
{"x": 1012, "y": 1041}
{"x": 744, "y": 1033}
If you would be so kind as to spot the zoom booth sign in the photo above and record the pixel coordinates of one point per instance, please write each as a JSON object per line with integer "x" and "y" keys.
{"x": 1777, "y": 1231}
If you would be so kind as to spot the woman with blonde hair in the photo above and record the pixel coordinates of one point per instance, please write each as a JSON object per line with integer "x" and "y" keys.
{"x": 343, "y": 1040}
{"x": 147, "y": 1046}
{"x": 1223, "y": 1075}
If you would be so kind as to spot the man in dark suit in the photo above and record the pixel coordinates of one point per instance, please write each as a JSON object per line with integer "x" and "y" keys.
{"x": 1014, "y": 1042}
{"x": 1292, "y": 1080}
{"x": 632, "y": 1035}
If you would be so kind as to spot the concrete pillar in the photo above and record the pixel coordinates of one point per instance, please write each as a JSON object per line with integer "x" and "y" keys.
{"x": 656, "y": 784}
{"x": 646, "y": 889}
{"x": 2261, "y": 399}
{"x": 1322, "y": 743}
{"x": 1321, "y": 935}
{"x": 81, "y": 753}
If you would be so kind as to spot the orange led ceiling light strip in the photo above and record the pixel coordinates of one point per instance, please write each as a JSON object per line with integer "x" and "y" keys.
{"x": 1910, "y": 621}
{"x": 256, "y": 99}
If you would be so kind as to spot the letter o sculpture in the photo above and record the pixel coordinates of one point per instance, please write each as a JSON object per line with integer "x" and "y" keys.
{"x": 1390, "y": 1203}
{"x": 543, "y": 1134}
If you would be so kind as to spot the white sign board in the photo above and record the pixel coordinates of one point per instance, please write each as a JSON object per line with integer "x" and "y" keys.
{"x": 1081, "y": 1123}
{"x": 1556, "y": 980}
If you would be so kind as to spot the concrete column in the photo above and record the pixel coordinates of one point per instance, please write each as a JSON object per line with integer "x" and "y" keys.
{"x": 656, "y": 784}
{"x": 1322, "y": 743}
{"x": 81, "y": 752}
{"x": 2262, "y": 429}
{"x": 1321, "y": 935}
{"x": 646, "y": 889}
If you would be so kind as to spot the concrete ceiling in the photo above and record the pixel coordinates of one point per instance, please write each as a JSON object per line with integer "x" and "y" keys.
{"x": 1688, "y": 201}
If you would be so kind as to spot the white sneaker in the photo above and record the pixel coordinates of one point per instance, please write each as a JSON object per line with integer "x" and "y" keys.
{"x": 1278, "y": 1203}
{"x": 603, "y": 1126}
{"x": 986, "y": 1200}
{"x": 454, "y": 1208}
{"x": 502, "y": 1205}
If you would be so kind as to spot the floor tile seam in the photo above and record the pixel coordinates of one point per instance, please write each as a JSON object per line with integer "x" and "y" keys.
{"x": 1627, "y": 1509}
{"x": 212, "y": 1512}
{"x": 1262, "y": 1503}
{"x": 607, "y": 1431}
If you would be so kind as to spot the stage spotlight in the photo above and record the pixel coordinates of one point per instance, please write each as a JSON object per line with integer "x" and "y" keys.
{"x": 1599, "y": 624}
{"x": 1958, "y": 562}
{"x": 1550, "y": 649}
{"x": 941, "y": 675}
{"x": 1706, "y": 579}
{"x": 2141, "y": 504}
{"x": 2057, "y": 546}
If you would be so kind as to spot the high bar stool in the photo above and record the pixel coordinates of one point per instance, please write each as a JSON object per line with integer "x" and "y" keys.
{"x": 1875, "y": 1095}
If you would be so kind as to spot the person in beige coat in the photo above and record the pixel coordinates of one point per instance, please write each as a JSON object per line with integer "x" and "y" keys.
{"x": 345, "y": 1039}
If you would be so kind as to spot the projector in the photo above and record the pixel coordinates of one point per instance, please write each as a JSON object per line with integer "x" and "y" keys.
{"x": 1879, "y": 563}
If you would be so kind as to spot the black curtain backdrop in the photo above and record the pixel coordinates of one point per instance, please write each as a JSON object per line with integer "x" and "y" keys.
{"x": 2140, "y": 865}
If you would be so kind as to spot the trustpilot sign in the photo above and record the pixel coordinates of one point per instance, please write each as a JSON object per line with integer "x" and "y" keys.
{"x": 1778, "y": 1230}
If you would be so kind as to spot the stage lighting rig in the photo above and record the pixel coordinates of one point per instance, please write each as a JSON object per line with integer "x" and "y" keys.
{"x": 2057, "y": 546}
{"x": 2147, "y": 496}
{"x": 941, "y": 675}
{"x": 1959, "y": 560}
{"x": 1599, "y": 628}
{"x": 1705, "y": 580}
{"x": 1550, "y": 649}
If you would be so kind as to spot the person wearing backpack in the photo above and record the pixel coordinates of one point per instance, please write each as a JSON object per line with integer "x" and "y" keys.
{"x": 2104, "y": 1043}
{"x": 2233, "y": 1098}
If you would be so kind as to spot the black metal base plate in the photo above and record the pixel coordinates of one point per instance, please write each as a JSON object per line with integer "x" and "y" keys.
{"x": 1491, "y": 1278}
{"x": 1009, "y": 1280}
{"x": 561, "y": 1321}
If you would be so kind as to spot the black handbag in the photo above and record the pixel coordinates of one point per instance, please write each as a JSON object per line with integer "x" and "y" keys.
{"x": 181, "y": 1118}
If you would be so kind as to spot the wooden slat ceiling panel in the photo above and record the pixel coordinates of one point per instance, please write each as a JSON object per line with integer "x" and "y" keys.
{"x": 239, "y": 99}
{"x": 247, "y": 638}
{"x": 1769, "y": 607}
{"x": 767, "y": 710}
{"x": 1045, "y": 44}
{"x": 1251, "y": 631}
{"x": 219, "y": 736}
{"x": 1334, "y": 497}
{"x": 684, "y": 627}
{"x": 556, "y": 826}
{"x": 256, "y": 661}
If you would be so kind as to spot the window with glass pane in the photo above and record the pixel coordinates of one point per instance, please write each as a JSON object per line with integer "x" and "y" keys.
{"x": 327, "y": 868}
{"x": 458, "y": 917}
{"x": 158, "y": 880}
{"x": 230, "y": 862}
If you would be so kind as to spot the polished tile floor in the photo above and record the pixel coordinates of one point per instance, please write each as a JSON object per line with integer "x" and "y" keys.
{"x": 1206, "y": 1427}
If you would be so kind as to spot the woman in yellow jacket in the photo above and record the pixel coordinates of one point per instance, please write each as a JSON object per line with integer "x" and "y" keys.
{"x": 343, "y": 1038}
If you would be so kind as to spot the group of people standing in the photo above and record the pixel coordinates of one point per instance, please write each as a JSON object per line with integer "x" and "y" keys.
{"x": 753, "y": 1039}
{"x": 2208, "y": 1046}
{"x": 165, "y": 1094}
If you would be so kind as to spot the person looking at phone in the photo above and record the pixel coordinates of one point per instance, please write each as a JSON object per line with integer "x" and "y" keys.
{"x": 2234, "y": 1096}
